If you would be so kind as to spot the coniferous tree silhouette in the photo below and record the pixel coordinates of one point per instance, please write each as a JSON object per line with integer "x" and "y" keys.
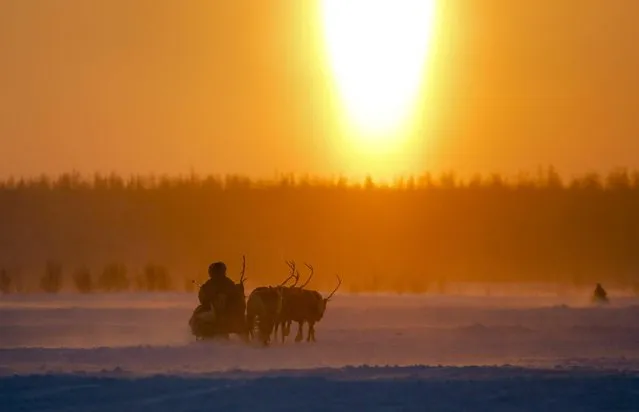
{"x": 6, "y": 283}
{"x": 51, "y": 280}
{"x": 114, "y": 278}
{"x": 83, "y": 280}
{"x": 157, "y": 278}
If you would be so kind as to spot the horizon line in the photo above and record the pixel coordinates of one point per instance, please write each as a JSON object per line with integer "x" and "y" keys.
{"x": 548, "y": 174}
{"x": 277, "y": 174}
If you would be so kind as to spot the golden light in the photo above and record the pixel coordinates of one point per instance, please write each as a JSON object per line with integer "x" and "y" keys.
{"x": 377, "y": 50}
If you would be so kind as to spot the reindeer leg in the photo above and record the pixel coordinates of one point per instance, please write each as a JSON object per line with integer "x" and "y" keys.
{"x": 300, "y": 332}
{"x": 272, "y": 336}
{"x": 249, "y": 326}
{"x": 284, "y": 334}
{"x": 311, "y": 332}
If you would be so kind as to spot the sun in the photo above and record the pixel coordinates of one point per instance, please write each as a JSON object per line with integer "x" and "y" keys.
{"x": 377, "y": 50}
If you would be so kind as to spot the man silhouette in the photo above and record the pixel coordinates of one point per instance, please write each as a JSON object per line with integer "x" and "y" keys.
{"x": 216, "y": 291}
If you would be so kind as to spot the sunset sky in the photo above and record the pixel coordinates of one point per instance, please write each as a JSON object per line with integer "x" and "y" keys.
{"x": 245, "y": 86}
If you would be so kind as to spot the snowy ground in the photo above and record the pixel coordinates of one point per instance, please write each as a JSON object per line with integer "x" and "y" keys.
{"x": 132, "y": 352}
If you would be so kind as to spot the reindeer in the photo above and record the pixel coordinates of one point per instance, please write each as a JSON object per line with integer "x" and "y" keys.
{"x": 264, "y": 306}
{"x": 289, "y": 297}
{"x": 309, "y": 306}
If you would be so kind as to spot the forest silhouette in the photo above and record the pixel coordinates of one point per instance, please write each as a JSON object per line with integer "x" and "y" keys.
{"x": 158, "y": 233}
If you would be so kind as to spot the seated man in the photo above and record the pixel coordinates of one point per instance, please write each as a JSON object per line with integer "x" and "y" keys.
{"x": 216, "y": 291}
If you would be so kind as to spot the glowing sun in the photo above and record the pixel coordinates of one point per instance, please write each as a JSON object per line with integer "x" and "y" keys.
{"x": 377, "y": 50}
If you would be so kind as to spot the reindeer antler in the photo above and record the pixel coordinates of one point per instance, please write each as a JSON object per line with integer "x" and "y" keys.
{"x": 339, "y": 282}
{"x": 291, "y": 265}
{"x": 242, "y": 278}
{"x": 309, "y": 277}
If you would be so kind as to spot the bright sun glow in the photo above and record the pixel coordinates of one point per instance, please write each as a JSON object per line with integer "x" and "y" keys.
{"x": 377, "y": 50}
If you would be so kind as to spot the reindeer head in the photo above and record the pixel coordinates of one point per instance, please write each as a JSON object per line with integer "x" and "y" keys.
{"x": 322, "y": 302}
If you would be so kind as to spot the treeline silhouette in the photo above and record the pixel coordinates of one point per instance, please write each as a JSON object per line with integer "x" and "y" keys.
{"x": 113, "y": 278}
{"x": 414, "y": 235}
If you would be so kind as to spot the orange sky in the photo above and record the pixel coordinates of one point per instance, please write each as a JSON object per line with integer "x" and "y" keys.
{"x": 140, "y": 86}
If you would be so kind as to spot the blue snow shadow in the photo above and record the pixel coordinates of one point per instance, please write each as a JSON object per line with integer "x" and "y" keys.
{"x": 484, "y": 389}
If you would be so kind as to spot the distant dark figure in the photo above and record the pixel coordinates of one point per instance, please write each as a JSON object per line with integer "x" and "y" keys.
{"x": 600, "y": 294}
{"x": 217, "y": 291}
